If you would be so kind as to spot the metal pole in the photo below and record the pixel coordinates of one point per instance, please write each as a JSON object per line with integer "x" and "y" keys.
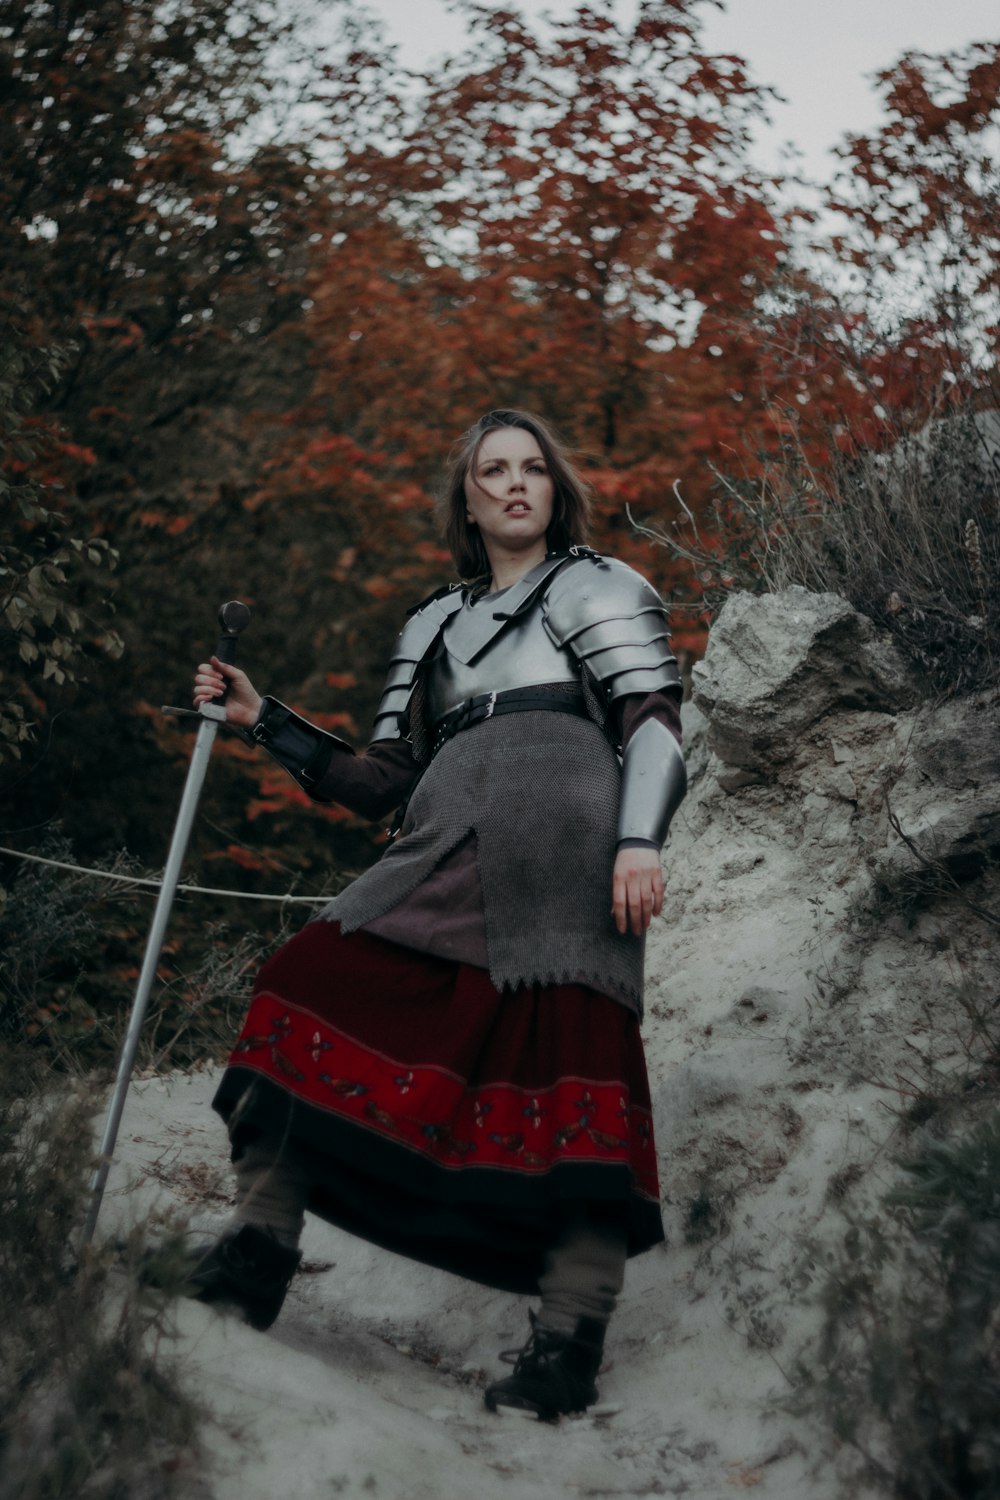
{"x": 233, "y": 618}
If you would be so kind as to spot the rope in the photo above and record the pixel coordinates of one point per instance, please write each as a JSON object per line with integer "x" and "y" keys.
{"x": 197, "y": 890}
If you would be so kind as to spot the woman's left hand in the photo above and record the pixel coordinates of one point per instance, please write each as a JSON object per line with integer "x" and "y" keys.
{"x": 636, "y": 889}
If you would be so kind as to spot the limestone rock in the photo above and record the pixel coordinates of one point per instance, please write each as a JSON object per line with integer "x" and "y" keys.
{"x": 777, "y": 663}
{"x": 946, "y": 804}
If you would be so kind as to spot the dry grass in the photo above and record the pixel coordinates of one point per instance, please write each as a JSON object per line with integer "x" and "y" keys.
{"x": 907, "y": 1370}
{"x": 910, "y": 537}
{"x": 90, "y": 1405}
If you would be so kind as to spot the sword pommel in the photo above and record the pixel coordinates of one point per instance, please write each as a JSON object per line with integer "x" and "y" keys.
{"x": 234, "y": 617}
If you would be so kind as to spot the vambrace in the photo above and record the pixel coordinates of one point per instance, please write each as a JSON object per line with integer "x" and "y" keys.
{"x": 653, "y": 784}
{"x": 300, "y": 748}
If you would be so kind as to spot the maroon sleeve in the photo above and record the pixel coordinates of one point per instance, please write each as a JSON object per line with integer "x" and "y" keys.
{"x": 634, "y": 709}
{"x": 372, "y": 784}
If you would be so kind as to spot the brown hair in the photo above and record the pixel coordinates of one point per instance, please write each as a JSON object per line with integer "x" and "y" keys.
{"x": 570, "y": 524}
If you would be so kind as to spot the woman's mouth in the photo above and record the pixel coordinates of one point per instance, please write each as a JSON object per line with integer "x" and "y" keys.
{"x": 516, "y": 508}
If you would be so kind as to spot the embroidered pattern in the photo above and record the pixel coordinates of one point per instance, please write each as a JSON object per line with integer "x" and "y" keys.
{"x": 432, "y": 1110}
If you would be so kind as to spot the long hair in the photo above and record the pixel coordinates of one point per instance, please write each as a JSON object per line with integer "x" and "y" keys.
{"x": 570, "y": 524}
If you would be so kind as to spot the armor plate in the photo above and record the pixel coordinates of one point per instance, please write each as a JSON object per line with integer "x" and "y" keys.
{"x": 654, "y": 782}
{"x": 413, "y": 644}
{"x": 522, "y": 655}
{"x": 594, "y": 610}
{"x": 482, "y": 625}
{"x": 613, "y": 621}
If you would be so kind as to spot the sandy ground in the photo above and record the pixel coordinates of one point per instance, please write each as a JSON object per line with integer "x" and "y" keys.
{"x": 370, "y": 1382}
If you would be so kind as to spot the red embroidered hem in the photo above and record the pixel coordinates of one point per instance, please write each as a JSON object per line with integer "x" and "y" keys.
{"x": 430, "y": 1109}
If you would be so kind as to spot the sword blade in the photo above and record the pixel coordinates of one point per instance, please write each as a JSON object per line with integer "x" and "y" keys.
{"x": 154, "y": 943}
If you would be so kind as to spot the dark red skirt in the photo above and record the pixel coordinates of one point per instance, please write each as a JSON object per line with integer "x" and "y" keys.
{"x": 440, "y": 1118}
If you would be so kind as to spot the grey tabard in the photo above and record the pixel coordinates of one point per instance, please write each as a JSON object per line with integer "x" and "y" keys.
{"x": 539, "y": 791}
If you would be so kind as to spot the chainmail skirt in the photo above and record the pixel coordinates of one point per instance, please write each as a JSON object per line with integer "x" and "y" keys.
{"x": 439, "y": 1117}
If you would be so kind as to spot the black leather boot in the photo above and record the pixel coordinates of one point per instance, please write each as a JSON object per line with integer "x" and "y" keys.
{"x": 554, "y": 1373}
{"x": 248, "y": 1269}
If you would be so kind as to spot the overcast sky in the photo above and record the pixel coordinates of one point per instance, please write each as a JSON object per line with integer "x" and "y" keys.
{"x": 817, "y": 53}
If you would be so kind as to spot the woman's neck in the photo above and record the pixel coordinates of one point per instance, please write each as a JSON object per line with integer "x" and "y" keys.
{"x": 510, "y": 569}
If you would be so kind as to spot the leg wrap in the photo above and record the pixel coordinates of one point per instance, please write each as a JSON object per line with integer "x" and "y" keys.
{"x": 584, "y": 1273}
{"x": 271, "y": 1189}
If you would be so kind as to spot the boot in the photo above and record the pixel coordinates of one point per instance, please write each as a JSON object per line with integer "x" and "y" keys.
{"x": 554, "y": 1373}
{"x": 248, "y": 1269}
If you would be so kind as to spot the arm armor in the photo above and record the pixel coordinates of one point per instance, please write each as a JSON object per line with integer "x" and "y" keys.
{"x": 413, "y": 644}
{"x": 300, "y": 748}
{"x": 653, "y": 784}
{"x": 614, "y": 623}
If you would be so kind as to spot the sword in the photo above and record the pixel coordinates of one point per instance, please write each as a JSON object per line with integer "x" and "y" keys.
{"x": 233, "y": 618}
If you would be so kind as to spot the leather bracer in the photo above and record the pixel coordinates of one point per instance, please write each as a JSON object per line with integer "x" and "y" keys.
{"x": 300, "y": 748}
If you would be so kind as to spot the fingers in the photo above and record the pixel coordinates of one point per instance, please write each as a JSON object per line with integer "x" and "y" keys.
{"x": 619, "y": 902}
{"x": 208, "y": 681}
{"x": 214, "y": 677}
{"x": 637, "y": 895}
{"x": 211, "y": 677}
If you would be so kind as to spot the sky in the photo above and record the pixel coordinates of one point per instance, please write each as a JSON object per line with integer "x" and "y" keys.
{"x": 818, "y": 53}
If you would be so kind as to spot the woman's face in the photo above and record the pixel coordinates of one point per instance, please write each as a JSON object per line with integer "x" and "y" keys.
{"x": 509, "y": 494}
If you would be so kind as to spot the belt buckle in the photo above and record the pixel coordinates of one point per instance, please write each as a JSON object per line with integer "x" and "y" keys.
{"x": 491, "y": 705}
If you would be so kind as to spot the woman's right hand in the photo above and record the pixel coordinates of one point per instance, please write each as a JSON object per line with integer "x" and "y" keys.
{"x": 243, "y": 703}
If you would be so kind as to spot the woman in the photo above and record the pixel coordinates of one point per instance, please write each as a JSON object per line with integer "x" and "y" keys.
{"x": 447, "y": 1060}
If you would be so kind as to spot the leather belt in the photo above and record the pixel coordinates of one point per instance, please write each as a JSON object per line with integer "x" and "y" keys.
{"x": 515, "y": 700}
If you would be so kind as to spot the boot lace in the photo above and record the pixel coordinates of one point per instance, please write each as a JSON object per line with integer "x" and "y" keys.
{"x": 542, "y": 1349}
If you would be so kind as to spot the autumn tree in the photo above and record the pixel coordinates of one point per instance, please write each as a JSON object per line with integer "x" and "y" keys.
{"x": 52, "y": 614}
{"x": 921, "y": 195}
{"x": 883, "y": 375}
{"x": 155, "y": 209}
{"x": 903, "y": 319}
{"x": 563, "y": 217}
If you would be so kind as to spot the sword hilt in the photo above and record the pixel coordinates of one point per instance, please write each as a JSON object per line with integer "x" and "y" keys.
{"x": 234, "y": 618}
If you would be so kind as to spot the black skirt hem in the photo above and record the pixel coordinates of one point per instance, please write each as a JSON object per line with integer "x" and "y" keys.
{"x": 489, "y": 1224}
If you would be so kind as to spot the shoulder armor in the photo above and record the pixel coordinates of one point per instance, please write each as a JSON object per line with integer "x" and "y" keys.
{"x": 614, "y": 622}
{"x": 413, "y": 644}
{"x": 441, "y": 593}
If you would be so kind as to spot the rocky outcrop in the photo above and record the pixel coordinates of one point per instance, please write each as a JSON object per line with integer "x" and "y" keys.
{"x": 778, "y": 663}
{"x": 815, "y": 980}
{"x": 799, "y": 691}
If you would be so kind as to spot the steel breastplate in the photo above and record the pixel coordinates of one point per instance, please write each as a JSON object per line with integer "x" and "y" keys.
{"x": 521, "y": 654}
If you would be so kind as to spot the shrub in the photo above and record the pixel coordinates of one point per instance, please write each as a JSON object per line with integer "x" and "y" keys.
{"x": 53, "y": 612}
{"x": 70, "y": 949}
{"x": 90, "y": 1407}
{"x": 910, "y": 536}
{"x": 908, "y": 1366}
